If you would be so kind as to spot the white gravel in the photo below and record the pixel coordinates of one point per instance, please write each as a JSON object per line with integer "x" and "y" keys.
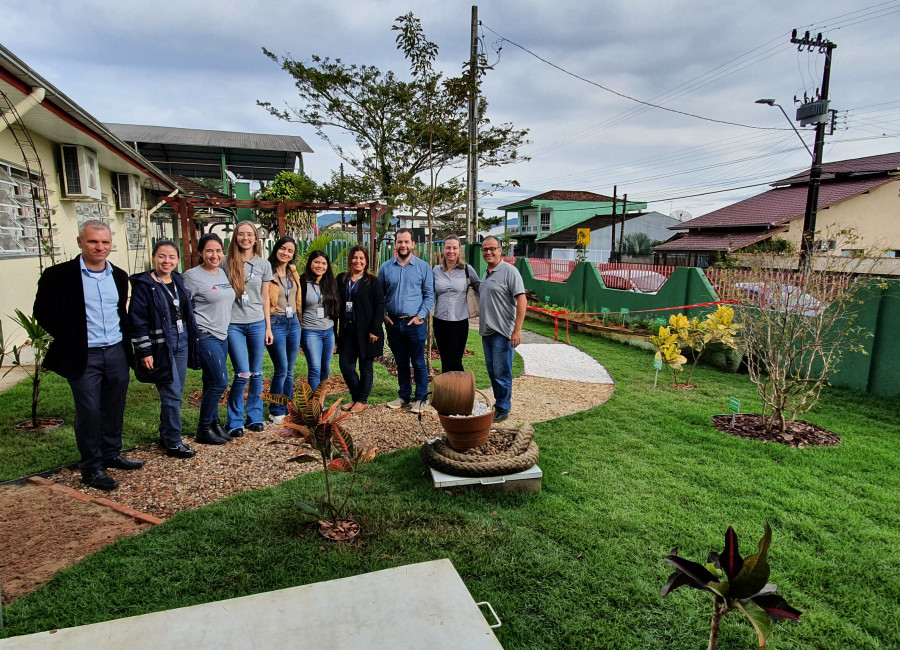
{"x": 560, "y": 361}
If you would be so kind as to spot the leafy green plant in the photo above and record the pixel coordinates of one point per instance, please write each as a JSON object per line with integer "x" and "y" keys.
{"x": 39, "y": 341}
{"x": 718, "y": 327}
{"x": 337, "y": 451}
{"x": 736, "y": 584}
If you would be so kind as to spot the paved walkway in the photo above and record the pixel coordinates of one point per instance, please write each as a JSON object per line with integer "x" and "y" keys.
{"x": 15, "y": 375}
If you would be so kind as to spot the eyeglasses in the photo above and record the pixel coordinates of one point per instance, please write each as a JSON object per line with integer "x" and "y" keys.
{"x": 490, "y": 249}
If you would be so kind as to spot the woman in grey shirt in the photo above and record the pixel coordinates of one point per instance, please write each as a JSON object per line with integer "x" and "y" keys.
{"x": 451, "y": 315}
{"x": 319, "y": 297}
{"x": 250, "y": 329}
{"x": 211, "y": 298}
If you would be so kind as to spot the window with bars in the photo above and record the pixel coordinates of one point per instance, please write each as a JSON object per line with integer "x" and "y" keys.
{"x": 21, "y": 231}
{"x": 545, "y": 220}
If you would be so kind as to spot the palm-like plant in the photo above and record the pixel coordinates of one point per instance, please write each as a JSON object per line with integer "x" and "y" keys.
{"x": 736, "y": 584}
{"x": 321, "y": 242}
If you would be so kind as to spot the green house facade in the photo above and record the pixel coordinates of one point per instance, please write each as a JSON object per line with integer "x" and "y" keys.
{"x": 552, "y": 219}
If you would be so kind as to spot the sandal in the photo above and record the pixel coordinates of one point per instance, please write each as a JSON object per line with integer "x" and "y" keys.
{"x": 358, "y": 407}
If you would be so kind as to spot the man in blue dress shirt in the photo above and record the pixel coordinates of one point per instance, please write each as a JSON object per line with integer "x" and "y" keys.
{"x": 81, "y": 303}
{"x": 408, "y": 285}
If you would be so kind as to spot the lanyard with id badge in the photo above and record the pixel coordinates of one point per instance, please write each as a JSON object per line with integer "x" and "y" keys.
{"x": 245, "y": 297}
{"x": 320, "y": 310}
{"x": 172, "y": 293}
{"x": 288, "y": 307}
{"x": 352, "y": 288}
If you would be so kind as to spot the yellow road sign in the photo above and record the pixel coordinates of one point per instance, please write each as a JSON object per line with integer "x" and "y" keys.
{"x": 583, "y": 237}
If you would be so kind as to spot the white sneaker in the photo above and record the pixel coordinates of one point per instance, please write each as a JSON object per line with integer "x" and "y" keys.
{"x": 398, "y": 403}
{"x": 418, "y": 407}
{"x": 277, "y": 419}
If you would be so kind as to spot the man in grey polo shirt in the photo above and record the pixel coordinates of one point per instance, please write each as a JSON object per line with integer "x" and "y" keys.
{"x": 502, "y": 302}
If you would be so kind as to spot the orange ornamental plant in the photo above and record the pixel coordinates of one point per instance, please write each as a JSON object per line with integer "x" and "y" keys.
{"x": 319, "y": 428}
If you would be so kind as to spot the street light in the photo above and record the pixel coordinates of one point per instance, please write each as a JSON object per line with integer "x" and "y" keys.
{"x": 771, "y": 102}
{"x": 812, "y": 195}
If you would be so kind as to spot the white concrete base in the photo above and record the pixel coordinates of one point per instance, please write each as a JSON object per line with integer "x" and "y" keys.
{"x": 528, "y": 480}
{"x": 422, "y": 605}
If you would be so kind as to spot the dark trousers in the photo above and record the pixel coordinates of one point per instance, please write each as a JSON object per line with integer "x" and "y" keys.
{"x": 451, "y": 337}
{"x": 407, "y": 343}
{"x": 359, "y": 384}
{"x": 100, "y": 395}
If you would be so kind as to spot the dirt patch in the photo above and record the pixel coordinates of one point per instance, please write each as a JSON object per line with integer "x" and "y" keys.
{"x": 43, "y": 531}
{"x": 798, "y": 434}
{"x": 335, "y": 383}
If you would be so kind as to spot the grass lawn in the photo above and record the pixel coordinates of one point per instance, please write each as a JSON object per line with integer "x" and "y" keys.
{"x": 580, "y": 564}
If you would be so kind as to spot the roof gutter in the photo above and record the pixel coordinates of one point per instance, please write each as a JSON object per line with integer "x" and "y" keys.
{"x": 16, "y": 112}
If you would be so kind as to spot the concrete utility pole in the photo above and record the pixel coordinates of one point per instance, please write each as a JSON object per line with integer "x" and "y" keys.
{"x": 472, "y": 176}
{"x": 622, "y": 228}
{"x": 814, "y": 110}
{"x": 612, "y": 246}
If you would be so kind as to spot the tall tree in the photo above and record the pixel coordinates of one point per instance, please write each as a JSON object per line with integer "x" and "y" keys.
{"x": 392, "y": 121}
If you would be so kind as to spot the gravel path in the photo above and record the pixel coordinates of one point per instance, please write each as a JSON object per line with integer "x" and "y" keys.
{"x": 558, "y": 380}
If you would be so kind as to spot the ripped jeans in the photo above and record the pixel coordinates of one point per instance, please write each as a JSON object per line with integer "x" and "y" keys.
{"x": 246, "y": 345}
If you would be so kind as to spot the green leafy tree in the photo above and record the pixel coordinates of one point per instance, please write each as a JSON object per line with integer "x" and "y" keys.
{"x": 295, "y": 188}
{"x": 637, "y": 244}
{"x": 400, "y": 128}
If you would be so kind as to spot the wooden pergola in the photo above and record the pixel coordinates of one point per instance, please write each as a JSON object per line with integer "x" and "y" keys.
{"x": 186, "y": 206}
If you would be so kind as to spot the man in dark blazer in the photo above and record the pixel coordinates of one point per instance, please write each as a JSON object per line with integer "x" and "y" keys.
{"x": 81, "y": 303}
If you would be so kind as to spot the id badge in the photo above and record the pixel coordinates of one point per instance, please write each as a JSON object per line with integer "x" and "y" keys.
{"x": 349, "y": 307}
{"x": 320, "y": 312}
{"x": 245, "y": 300}
{"x": 179, "y": 324}
{"x": 289, "y": 311}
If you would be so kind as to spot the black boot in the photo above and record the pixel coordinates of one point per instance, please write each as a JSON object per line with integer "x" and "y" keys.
{"x": 221, "y": 432}
{"x": 208, "y": 436}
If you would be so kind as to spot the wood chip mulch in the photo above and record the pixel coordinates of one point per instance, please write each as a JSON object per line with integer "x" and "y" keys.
{"x": 798, "y": 434}
{"x": 166, "y": 486}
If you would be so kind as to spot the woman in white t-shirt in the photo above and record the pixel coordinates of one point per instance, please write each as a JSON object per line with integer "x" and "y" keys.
{"x": 250, "y": 329}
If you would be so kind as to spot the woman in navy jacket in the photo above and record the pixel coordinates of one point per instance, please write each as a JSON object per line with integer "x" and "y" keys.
{"x": 165, "y": 338}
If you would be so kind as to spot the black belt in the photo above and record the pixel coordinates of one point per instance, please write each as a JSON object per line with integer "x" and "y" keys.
{"x": 402, "y": 316}
{"x": 105, "y": 347}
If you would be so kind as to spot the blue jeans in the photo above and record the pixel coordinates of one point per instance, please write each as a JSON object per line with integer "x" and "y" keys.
{"x": 246, "y": 346}
{"x": 170, "y": 395}
{"x": 407, "y": 343}
{"x": 214, "y": 362}
{"x": 318, "y": 346}
{"x": 283, "y": 351}
{"x": 498, "y": 357}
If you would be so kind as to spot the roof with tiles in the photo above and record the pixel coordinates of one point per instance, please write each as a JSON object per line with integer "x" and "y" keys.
{"x": 560, "y": 195}
{"x": 716, "y": 241}
{"x": 781, "y": 204}
{"x": 889, "y": 162}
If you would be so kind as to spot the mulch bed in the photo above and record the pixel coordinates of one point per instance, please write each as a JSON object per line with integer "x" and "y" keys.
{"x": 798, "y": 434}
{"x": 42, "y": 424}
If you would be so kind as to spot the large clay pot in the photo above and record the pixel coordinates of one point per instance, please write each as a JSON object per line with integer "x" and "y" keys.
{"x": 469, "y": 432}
{"x": 453, "y": 393}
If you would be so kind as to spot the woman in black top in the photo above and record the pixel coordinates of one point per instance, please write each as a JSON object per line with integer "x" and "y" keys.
{"x": 360, "y": 331}
{"x": 165, "y": 338}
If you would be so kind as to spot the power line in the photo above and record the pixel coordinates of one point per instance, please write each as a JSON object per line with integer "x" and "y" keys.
{"x": 628, "y": 97}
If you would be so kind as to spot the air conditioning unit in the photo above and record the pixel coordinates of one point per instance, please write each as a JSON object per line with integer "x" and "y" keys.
{"x": 81, "y": 172}
{"x": 128, "y": 192}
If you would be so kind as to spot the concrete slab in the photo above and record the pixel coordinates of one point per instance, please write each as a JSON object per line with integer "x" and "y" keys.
{"x": 528, "y": 480}
{"x": 422, "y": 605}
{"x": 562, "y": 362}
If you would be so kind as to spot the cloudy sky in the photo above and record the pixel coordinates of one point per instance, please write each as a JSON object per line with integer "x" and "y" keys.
{"x": 196, "y": 64}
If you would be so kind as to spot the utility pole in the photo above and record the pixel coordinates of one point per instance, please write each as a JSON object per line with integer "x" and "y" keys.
{"x": 622, "y": 228}
{"x": 343, "y": 199}
{"x": 814, "y": 109}
{"x": 472, "y": 176}
{"x": 612, "y": 246}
